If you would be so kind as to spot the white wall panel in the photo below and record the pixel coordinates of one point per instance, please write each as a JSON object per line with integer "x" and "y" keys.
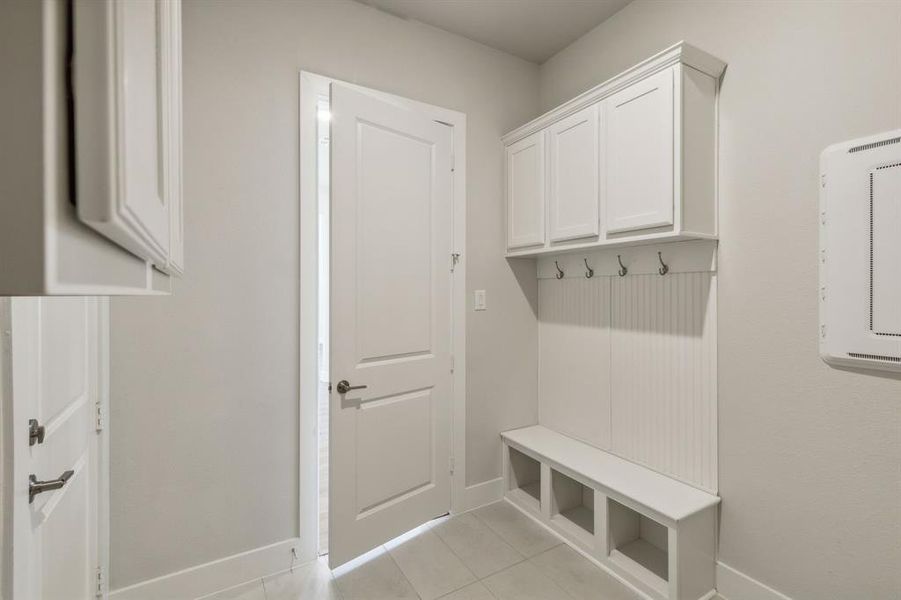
{"x": 574, "y": 350}
{"x": 663, "y": 374}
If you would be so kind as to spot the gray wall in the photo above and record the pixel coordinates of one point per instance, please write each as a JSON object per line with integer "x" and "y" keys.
{"x": 808, "y": 455}
{"x": 205, "y": 383}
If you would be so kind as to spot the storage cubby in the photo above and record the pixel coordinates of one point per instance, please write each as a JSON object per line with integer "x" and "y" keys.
{"x": 524, "y": 480}
{"x": 572, "y": 506}
{"x": 639, "y": 545}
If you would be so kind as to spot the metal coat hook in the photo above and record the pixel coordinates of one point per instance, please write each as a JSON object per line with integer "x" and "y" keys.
{"x": 664, "y": 269}
{"x": 622, "y": 268}
{"x": 560, "y": 272}
{"x": 589, "y": 273}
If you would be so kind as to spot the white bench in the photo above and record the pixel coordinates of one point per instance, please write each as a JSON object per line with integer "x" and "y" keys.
{"x": 654, "y": 532}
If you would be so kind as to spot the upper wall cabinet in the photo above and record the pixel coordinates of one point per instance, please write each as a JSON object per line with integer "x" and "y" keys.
{"x": 526, "y": 191}
{"x": 92, "y": 196}
{"x": 632, "y": 160}
{"x": 574, "y": 176}
{"x": 639, "y": 153}
{"x": 127, "y": 95}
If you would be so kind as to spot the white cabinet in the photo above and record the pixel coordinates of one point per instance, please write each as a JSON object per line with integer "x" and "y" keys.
{"x": 574, "y": 175}
{"x": 526, "y": 191}
{"x": 630, "y": 161}
{"x": 91, "y": 174}
{"x": 127, "y": 96}
{"x": 639, "y": 155}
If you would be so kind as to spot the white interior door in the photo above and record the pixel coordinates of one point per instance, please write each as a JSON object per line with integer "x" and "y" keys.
{"x": 54, "y": 367}
{"x": 391, "y": 235}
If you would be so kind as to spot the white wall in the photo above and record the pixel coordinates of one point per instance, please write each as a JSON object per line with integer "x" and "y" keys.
{"x": 808, "y": 454}
{"x": 204, "y": 384}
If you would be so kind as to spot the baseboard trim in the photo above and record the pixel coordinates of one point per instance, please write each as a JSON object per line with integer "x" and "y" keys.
{"x": 735, "y": 585}
{"x": 483, "y": 493}
{"x": 213, "y": 576}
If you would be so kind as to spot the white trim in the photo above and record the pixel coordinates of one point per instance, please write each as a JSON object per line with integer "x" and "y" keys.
{"x": 483, "y": 493}
{"x": 735, "y": 585}
{"x": 311, "y": 87}
{"x": 214, "y": 576}
{"x": 103, "y": 454}
{"x": 677, "y": 53}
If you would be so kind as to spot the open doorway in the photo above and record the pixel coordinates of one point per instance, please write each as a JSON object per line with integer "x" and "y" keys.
{"x": 385, "y": 147}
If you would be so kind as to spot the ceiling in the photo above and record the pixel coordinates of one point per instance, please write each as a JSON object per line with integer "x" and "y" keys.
{"x": 531, "y": 29}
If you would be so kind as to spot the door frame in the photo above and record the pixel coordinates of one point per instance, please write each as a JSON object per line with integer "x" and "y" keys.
{"x": 100, "y": 387}
{"x": 313, "y": 86}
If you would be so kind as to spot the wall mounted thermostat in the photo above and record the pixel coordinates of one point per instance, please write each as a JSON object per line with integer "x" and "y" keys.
{"x": 860, "y": 252}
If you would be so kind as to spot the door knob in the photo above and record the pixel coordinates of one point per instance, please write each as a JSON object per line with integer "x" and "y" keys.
{"x": 344, "y": 386}
{"x": 36, "y": 487}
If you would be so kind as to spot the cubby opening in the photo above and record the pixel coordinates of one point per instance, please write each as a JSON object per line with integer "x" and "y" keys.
{"x": 638, "y": 545}
{"x": 525, "y": 479}
{"x": 573, "y": 505}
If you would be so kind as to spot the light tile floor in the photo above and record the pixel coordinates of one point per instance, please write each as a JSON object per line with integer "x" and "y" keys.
{"x": 492, "y": 553}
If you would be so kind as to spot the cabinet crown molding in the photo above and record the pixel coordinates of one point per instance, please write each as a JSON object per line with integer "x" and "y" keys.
{"x": 679, "y": 53}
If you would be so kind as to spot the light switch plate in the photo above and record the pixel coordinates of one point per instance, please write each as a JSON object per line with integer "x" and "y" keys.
{"x": 480, "y": 301}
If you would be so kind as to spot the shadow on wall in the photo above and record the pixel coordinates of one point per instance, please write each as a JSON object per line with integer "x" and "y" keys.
{"x": 675, "y": 304}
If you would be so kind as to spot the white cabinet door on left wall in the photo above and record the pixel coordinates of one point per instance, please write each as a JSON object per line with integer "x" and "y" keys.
{"x": 127, "y": 104}
{"x": 526, "y": 192}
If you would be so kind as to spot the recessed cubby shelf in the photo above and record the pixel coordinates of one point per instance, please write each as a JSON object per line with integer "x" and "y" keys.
{"x": 525, "y": 480}
{"x": 638, "y": 545}
{"x": 572, "y": 506}
{"x": 652, "y": 532}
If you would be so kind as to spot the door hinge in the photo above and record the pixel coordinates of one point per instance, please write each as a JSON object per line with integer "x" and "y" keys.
{"x": 453, "y": 363}
{"x": 98, "y": 425}
{"x": 100, "y": 583}
{"x": 455, "y": 258}
{"x": 453, "y": 162}
{"x": 450, "y": 465}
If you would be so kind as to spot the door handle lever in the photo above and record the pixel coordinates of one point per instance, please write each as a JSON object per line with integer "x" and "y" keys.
{"x": 344, "y": 386}
{"x": 36, "y": 487}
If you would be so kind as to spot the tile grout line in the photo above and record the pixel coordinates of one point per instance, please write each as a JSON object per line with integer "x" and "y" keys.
{"x": 402, "y": 574}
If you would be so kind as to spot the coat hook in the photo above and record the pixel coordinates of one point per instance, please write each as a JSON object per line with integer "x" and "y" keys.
{"x": 664, "y": 269}
{"x": 622, "y": 268}
{"x": 559, "y": 270}
{"x": 590, "y": 272}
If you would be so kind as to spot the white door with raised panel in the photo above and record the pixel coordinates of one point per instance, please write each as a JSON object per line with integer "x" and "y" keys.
{"x": 526, "y": 191}
{"x": 639, "y": 155}
{"x": 53, "y": 362}
{"x": 128, "y": 124}
{"x": 574, "y": 197}
{"x": 390, "y": 321}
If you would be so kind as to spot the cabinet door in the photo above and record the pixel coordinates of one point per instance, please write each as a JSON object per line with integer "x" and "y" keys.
{"x": 574, "y": 176}
{"x": 126, "y": 66}
{"x": 639, "y": 155}
{"x": 526, "y": 191}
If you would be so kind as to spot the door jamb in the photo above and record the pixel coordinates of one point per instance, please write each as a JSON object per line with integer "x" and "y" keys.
{"x": 311, "y": 87}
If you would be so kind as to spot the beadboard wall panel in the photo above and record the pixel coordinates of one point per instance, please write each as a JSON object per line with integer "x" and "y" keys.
{"x": 663, "y": 374}
{"x": 574, "y": 358}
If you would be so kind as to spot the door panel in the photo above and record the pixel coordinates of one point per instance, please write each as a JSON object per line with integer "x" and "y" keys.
{"x": 127, "y": 95}
{"x": 390, "y": 321}
{"x": 575, "y": 172}
{"x": 526, "y": 192}
{"x": 55, "y": 379}
{"x": 639, "y": 155}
